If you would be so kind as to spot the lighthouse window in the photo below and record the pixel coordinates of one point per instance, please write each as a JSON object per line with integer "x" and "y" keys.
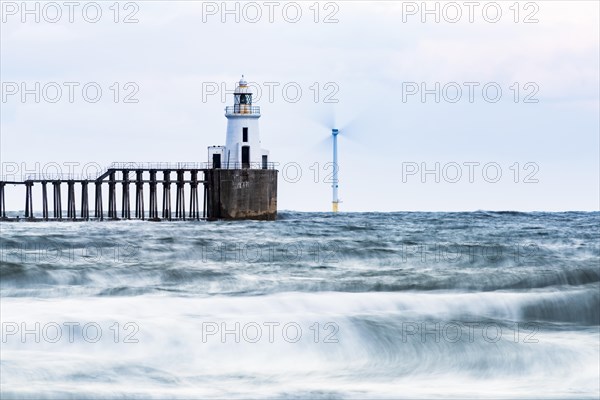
{"x": 244, "y": 134}
{"x": 244, "y": 99}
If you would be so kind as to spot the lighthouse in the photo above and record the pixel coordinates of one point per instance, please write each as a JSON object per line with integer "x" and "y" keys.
{"x": 241, "y": 179}
{"x": 242, "y": 142}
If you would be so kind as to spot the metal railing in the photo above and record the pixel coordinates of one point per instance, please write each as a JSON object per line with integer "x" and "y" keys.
{"x": 49, "y": 177}
{"x": 188, "y": 165}
{"x": 156, "y": 165}
{"x": 242, "y": 109}
{"x": 133, "y": 166}
{"x": 239, "y": 165}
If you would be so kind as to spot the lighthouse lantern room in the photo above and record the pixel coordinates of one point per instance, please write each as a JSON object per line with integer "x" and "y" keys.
{"x": 242, "y": 145}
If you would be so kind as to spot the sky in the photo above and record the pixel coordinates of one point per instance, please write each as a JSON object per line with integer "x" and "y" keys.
{"x": 441, "y": 106}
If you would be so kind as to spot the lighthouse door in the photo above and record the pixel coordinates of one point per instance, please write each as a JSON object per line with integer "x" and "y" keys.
{"x": 245, "y": 156}
{"x": 216, "y": 161}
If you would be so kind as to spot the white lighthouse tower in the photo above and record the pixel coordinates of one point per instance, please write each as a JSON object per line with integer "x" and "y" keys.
{"x": 242, "y": 145}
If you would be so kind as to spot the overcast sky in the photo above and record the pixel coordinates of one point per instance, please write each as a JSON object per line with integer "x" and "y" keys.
{"x": 373, "y": 60}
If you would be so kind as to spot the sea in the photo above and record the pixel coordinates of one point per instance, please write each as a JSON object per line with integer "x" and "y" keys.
{"x": 312, "y": 305}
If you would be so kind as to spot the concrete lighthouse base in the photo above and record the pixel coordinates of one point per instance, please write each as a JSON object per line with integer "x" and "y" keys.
{"x": 241, "y": 194}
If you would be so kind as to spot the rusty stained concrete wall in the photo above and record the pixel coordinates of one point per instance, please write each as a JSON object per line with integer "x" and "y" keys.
{"x": 242, "y": 194}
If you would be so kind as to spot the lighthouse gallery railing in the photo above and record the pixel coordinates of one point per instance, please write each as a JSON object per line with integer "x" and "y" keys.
{"x": 242, "y": 109}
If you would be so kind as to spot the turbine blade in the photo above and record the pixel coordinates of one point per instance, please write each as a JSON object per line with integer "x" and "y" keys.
{"x": 357, "y": 128}
{"x": 352, "y": 130}
{"x": 325, "y": 117}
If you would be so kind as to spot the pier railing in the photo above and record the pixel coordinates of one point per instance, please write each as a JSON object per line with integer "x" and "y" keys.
{"x": 166, "y": 166}
{"x": 49, "y": 177}
{"x": 157, "y": 165}
{"x": 134, "y": 166}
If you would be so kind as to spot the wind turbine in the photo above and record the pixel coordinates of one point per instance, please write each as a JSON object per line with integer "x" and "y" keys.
{"x": 336, "y": 181}
{"x": 350, "y": 130}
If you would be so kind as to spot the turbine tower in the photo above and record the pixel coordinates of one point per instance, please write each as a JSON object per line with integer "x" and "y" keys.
{"x": 335, "y": 184}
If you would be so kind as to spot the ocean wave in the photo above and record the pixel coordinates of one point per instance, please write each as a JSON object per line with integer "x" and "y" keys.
{"x": 385, "y": 341}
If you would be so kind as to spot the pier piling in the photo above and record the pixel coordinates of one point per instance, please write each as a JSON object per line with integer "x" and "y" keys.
{"x": 28, "y": 200}
{"x": 194, "y": 212}
{"x": 139, "y": 194}
{"x": 98, "y": 213}
{"x": 153, "y": 215}
{"x": 71, "y": 200}
{"x": 2, "y": 202}
{"x": 166, "y": 212}
{"x": 180, "y": 198}
{"x": 44, "y": 201}
{"x": 85, "y": 210}
{"x": 112, "y": 196}
{"x": 57, "y": 201}
{"x": 125, "y": 210}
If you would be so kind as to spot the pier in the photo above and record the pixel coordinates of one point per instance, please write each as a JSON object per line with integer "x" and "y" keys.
{"x": 238, "y": 182}
{"x": 221, "y": 199}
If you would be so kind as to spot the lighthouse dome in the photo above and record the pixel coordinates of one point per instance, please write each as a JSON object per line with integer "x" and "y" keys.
{"x": 242, "y": 86}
